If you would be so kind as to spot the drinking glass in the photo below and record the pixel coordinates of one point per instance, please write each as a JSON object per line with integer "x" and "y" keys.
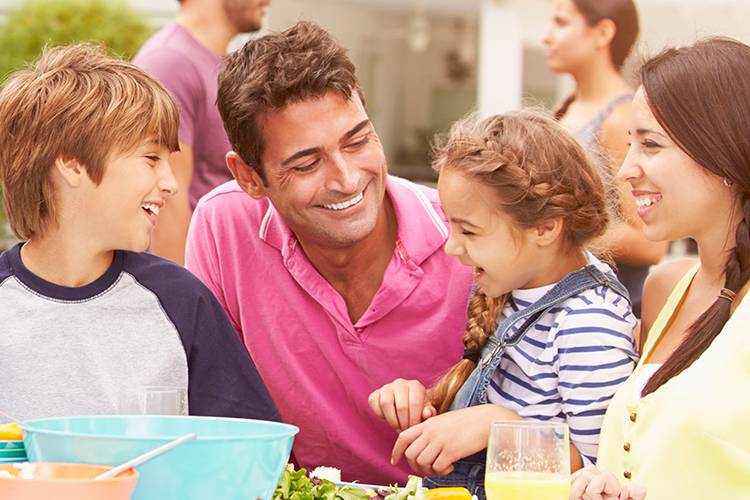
{"x": 528, "y": 461}
{"x": 154, "y": 400}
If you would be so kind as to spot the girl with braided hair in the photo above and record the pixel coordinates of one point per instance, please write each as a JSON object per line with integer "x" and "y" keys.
{"x": 679, "y": 425}
{"x": 550, "y": 329}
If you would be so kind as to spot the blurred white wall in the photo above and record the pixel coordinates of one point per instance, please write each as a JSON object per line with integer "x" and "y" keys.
{"x": 412, "y": 93}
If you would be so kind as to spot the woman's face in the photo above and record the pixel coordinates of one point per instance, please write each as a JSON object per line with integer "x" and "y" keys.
{"x": 571, "y": 43}
{"x": 675, "y": 196}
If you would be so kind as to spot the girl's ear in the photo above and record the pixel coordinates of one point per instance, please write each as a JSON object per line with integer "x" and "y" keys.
{"x": 548, "y": 232}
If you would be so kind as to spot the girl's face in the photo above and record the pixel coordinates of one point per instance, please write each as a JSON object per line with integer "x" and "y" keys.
{"x": 502, "y": 254}
{"x": 675, "y": 196}
{"x": 571, "y": 42}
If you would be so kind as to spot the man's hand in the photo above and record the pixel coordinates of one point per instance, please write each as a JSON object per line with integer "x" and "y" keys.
{"x": 402, "y": 404}
{"x": 592, "y": 484}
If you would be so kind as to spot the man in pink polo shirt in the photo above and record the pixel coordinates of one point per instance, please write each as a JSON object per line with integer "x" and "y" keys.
{"x": 331, "y": 271}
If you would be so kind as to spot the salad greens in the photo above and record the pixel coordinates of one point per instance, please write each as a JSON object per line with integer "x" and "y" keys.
{"x": 412, "y": 490}
{"x": 296, "y": 485}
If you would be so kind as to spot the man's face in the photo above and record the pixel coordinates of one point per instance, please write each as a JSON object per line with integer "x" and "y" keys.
{"x": 325, "y": 169}
{"x": 246, "y": 15}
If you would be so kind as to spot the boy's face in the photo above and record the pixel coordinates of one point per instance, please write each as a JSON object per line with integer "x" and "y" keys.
{"x": 122, "y": 210}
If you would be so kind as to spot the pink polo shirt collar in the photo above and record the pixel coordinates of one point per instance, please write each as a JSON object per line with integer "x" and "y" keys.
{"x": 414, "y": 244}
{"x": 419, "y": 241}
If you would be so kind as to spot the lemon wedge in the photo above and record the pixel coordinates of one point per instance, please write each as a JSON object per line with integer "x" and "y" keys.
{"x": 10, "y": 432}
{"x": 447, "y": 494}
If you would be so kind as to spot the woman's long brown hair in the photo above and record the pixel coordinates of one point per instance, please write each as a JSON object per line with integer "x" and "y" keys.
{"x": 623, "y": 14}
{"x": 700, "y": 95}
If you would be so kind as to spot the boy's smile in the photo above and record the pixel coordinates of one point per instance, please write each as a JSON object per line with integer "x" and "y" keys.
{"x": 152, "y": 210}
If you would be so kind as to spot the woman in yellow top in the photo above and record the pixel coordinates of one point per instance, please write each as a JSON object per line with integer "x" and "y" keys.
{"x": 679, "y": 428}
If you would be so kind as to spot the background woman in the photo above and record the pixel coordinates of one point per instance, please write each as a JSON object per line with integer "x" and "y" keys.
{"x": 590, "y": 40}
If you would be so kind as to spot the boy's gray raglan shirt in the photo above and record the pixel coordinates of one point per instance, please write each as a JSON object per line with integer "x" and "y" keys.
{"x": 146, "y": 321}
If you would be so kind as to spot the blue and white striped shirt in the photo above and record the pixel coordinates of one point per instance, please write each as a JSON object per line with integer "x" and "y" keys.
{"x": 568, "y": 367}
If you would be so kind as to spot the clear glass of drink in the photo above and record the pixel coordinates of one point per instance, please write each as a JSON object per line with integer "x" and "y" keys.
{"x": 154, "y": 400}
{"x": 528, "y": 460}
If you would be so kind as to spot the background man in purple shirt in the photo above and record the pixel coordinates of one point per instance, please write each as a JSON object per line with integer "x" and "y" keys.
{"x": 185, "y": 55}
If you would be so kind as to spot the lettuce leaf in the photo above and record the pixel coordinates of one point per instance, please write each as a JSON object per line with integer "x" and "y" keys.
{"x": 296, "y": 485}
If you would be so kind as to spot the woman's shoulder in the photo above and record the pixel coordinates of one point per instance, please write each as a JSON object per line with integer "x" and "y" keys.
{"x": 659, "y": 284}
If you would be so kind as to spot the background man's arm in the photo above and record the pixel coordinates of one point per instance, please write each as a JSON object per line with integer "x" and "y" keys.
{"x": 170, "y": 233}
{"x": 625, "y": 238}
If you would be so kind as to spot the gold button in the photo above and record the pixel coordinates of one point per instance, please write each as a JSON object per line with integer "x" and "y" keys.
{"x": 633, "y": 416}
{"x": 627, "y": 474}
{"x": 626, "y": 447}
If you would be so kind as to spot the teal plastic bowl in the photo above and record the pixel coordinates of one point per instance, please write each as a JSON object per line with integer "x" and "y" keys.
{"x": 230, "y": 459}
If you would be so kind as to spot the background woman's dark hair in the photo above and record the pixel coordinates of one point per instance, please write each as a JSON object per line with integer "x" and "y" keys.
{"x": 700, "y": 95}
{"x": 623, "y": 14}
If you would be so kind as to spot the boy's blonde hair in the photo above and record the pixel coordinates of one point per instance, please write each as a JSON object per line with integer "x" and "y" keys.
{"x": 77, "y": 103}
{"x": 540, "y": 173}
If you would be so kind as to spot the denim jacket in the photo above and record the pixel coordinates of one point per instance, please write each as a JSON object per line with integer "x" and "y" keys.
{"x": 469, "y": 472}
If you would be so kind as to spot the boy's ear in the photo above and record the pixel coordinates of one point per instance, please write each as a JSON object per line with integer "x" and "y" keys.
{"x": 548, "y": 232}
{"x": 246, "y": 176}
{"x": 71, "y": 171}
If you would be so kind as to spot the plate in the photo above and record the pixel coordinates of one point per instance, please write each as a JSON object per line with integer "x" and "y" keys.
{"x": 369, "y": 486}
{"x": 362, "y": 485}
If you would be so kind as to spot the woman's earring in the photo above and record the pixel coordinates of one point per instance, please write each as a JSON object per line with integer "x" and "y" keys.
{"x": 727, "y": 182}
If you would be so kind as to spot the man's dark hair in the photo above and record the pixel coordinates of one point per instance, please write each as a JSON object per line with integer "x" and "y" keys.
{"x": 273, "y": 71}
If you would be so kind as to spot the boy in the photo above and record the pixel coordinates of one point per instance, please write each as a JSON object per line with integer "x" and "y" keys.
{"x": 84, "y": 147}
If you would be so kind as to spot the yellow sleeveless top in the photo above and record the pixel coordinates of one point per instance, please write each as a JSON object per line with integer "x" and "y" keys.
{"x": 689, "y": 439}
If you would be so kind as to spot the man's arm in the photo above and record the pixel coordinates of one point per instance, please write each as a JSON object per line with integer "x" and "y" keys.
{"x": 183, "y": 81}
{"x": 170, "y": 233}
{"x": 202, "y": 259}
